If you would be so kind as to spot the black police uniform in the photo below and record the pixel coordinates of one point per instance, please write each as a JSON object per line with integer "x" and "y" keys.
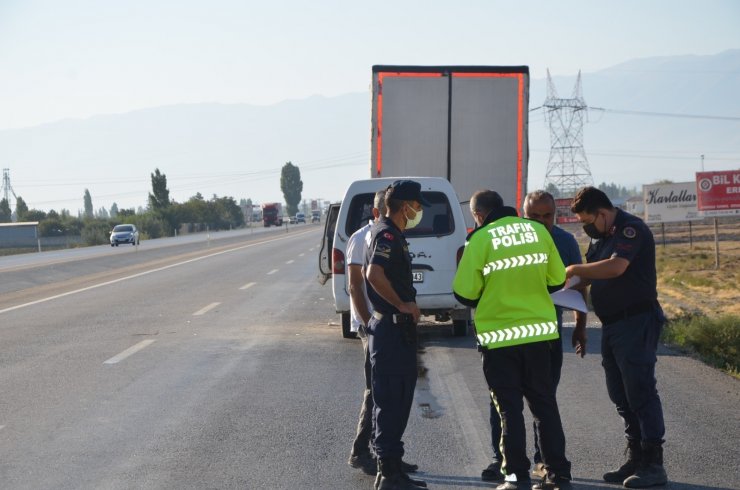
{"x": 392, "y": 348}
{"x": 632, "y": 320}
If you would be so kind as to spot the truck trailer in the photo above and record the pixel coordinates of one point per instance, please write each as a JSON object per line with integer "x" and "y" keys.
{"x": 467, "y": 124}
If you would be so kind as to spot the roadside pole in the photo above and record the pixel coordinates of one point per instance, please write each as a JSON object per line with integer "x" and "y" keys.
{"x": 716, "y": 245}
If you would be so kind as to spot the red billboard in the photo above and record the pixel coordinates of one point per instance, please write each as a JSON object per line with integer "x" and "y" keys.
{"x": 718, "y": 192}
{"x": 563, "y": 214}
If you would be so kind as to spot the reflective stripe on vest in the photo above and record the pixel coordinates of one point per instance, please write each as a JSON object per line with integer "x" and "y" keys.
{"x": 516, "y": 333}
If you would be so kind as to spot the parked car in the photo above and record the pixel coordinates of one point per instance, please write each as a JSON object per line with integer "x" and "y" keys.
{"x": 435, "y": 245}
{"x": 124, "y": 234}
{"x": 300, "y": 218}
{"x": 292, "y": 220}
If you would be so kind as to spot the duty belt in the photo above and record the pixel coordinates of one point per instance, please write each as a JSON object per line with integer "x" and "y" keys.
{"x": 636, "y": 309}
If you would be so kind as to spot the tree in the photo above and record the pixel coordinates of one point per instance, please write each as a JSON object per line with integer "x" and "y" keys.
{"x": 5, "y": 212}
{"x": 159, "y": 198}
{"x": 21, "y": 209}
{"x": 553, "y": 189}
{"x": 36, "y": 215}
{"x": 102, "y": 213}
{"x": 292, "y": 186}
{"x": 113, "y": 210}
{"x": 88, "y": 204}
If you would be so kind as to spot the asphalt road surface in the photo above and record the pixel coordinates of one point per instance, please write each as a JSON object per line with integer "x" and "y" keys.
{"x": 219, "y": 364}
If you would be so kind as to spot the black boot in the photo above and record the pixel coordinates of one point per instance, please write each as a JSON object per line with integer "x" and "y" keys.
{"x": 390, "y": 476}
{"x": 651, "y": 472}
{"x": 634, "y": 456}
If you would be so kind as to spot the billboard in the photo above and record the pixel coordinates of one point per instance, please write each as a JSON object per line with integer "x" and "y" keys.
{"x": 718, "y": 192}
{"x": 666, "y": 203}
{"x": 563, "y": 214}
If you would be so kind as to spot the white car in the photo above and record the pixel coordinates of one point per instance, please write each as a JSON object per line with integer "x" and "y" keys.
{"x": 436, "y": 245}
{"x": 124, "y": 234}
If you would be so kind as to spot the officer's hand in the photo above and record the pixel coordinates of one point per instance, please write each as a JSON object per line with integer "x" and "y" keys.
{"x": 579, "y": 340}
{"x": 569, "y": 272}
{"x": 412, "y": 309}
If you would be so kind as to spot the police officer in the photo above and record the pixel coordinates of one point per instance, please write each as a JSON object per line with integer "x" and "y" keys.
{"x": 505, "y": 271}
{"x": 392, "y": 329}
{"x": 361, "y": 456}
{"x": 540, "y": 206}
{"x": 621, "y": 268}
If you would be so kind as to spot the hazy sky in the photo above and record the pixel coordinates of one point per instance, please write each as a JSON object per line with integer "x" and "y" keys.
{"x": 76, "y": 58}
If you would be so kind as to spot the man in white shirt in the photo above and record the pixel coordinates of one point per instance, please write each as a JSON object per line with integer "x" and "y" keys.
{"x": 361, "y": 311}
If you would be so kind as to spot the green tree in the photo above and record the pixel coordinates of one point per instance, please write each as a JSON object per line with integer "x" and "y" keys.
{"x": 159, "y": 198}
{"x": 21, "y": 209}
{"x": 88, "y": 204}
{"x": 292, "y": 186}
{"x": 553, "y": 189}
{"x": 113, "y": 210}
{"x": 5, "y": 212}
{"x": 36, "y": 215}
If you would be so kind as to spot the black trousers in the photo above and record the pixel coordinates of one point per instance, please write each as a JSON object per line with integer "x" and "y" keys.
{"x": 523, "y": 372}
{"x": 628, "y": 350}
{"x": 393, "y": 379}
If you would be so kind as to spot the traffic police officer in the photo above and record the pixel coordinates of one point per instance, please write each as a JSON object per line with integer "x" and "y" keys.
{"x": 392, "y": 329}
{"x": 621, "y": 268}
{"x": 504, "y": 273}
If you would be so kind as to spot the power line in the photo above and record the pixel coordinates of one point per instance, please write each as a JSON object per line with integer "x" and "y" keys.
{"x": 667, "y": 114}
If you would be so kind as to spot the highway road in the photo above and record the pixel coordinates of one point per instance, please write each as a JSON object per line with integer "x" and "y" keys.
{"x": 219, "y": 364}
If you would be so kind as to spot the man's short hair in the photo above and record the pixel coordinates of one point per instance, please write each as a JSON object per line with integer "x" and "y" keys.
{"x": 486, "y": 201}
{"x": 392, "y": 205}
{"x": 589, "y": 200}
{"x": 379, "y": 201}
{"x": 537, "y": 196}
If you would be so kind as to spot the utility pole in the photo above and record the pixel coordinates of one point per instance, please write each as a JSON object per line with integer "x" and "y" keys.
{"x": 567, "y": 167}
{"x": 702, "y": 162}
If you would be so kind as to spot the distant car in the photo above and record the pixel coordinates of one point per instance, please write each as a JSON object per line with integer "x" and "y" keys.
{"x": 292, "y": 220}
{"x": 300, "y": 218}
{"x": 316, "y": 217}
{"x": 124, "y": 234}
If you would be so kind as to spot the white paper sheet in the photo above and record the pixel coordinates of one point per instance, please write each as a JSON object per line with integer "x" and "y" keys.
{"x": 570, "y": 299}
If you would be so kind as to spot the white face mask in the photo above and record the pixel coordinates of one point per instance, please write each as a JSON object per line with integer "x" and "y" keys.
{"x": 410, "y": 223}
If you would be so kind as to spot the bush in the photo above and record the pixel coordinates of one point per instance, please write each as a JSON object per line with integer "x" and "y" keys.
{"x": 95, "y": 232}
{"x": 715, "y": 340}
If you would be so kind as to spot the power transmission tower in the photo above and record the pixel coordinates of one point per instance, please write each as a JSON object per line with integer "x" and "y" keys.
{"x": 7, "y": 188}
{"x": 567, "y": 167}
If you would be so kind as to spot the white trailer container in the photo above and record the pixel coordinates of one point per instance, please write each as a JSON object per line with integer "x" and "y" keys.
{"x": 467, "y": 124}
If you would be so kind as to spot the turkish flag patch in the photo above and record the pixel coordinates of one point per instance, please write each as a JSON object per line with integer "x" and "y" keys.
{"x": 387, "y": 235}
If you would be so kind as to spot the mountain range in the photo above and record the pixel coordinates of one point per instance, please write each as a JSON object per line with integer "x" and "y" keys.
{"x": 647, "y": 121}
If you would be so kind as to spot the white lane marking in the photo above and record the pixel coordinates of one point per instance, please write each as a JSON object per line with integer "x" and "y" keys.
{"x": 206, "y": 309}
{"x": 248, "y": 285}
{"x": 290, "y": 261}
{"x": 301, "y": 255}
{"x": 121, "y": 279}
{"x": 272, "y": 272}
{"x": 130, "y": 351}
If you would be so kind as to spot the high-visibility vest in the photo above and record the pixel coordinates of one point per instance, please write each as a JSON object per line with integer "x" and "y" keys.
{"x": 507, "y": 265}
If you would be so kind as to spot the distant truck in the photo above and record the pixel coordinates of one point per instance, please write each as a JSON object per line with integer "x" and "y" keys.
{"x": 272, "y": 214}
{"x": 467, "y": 124}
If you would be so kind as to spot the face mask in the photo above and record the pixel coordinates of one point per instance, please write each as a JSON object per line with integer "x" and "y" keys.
{"x": 593, "y": 232}
{"x": 410, "y": 223}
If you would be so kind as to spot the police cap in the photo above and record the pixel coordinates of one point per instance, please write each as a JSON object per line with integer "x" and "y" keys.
{"x": 407, "y": 190}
